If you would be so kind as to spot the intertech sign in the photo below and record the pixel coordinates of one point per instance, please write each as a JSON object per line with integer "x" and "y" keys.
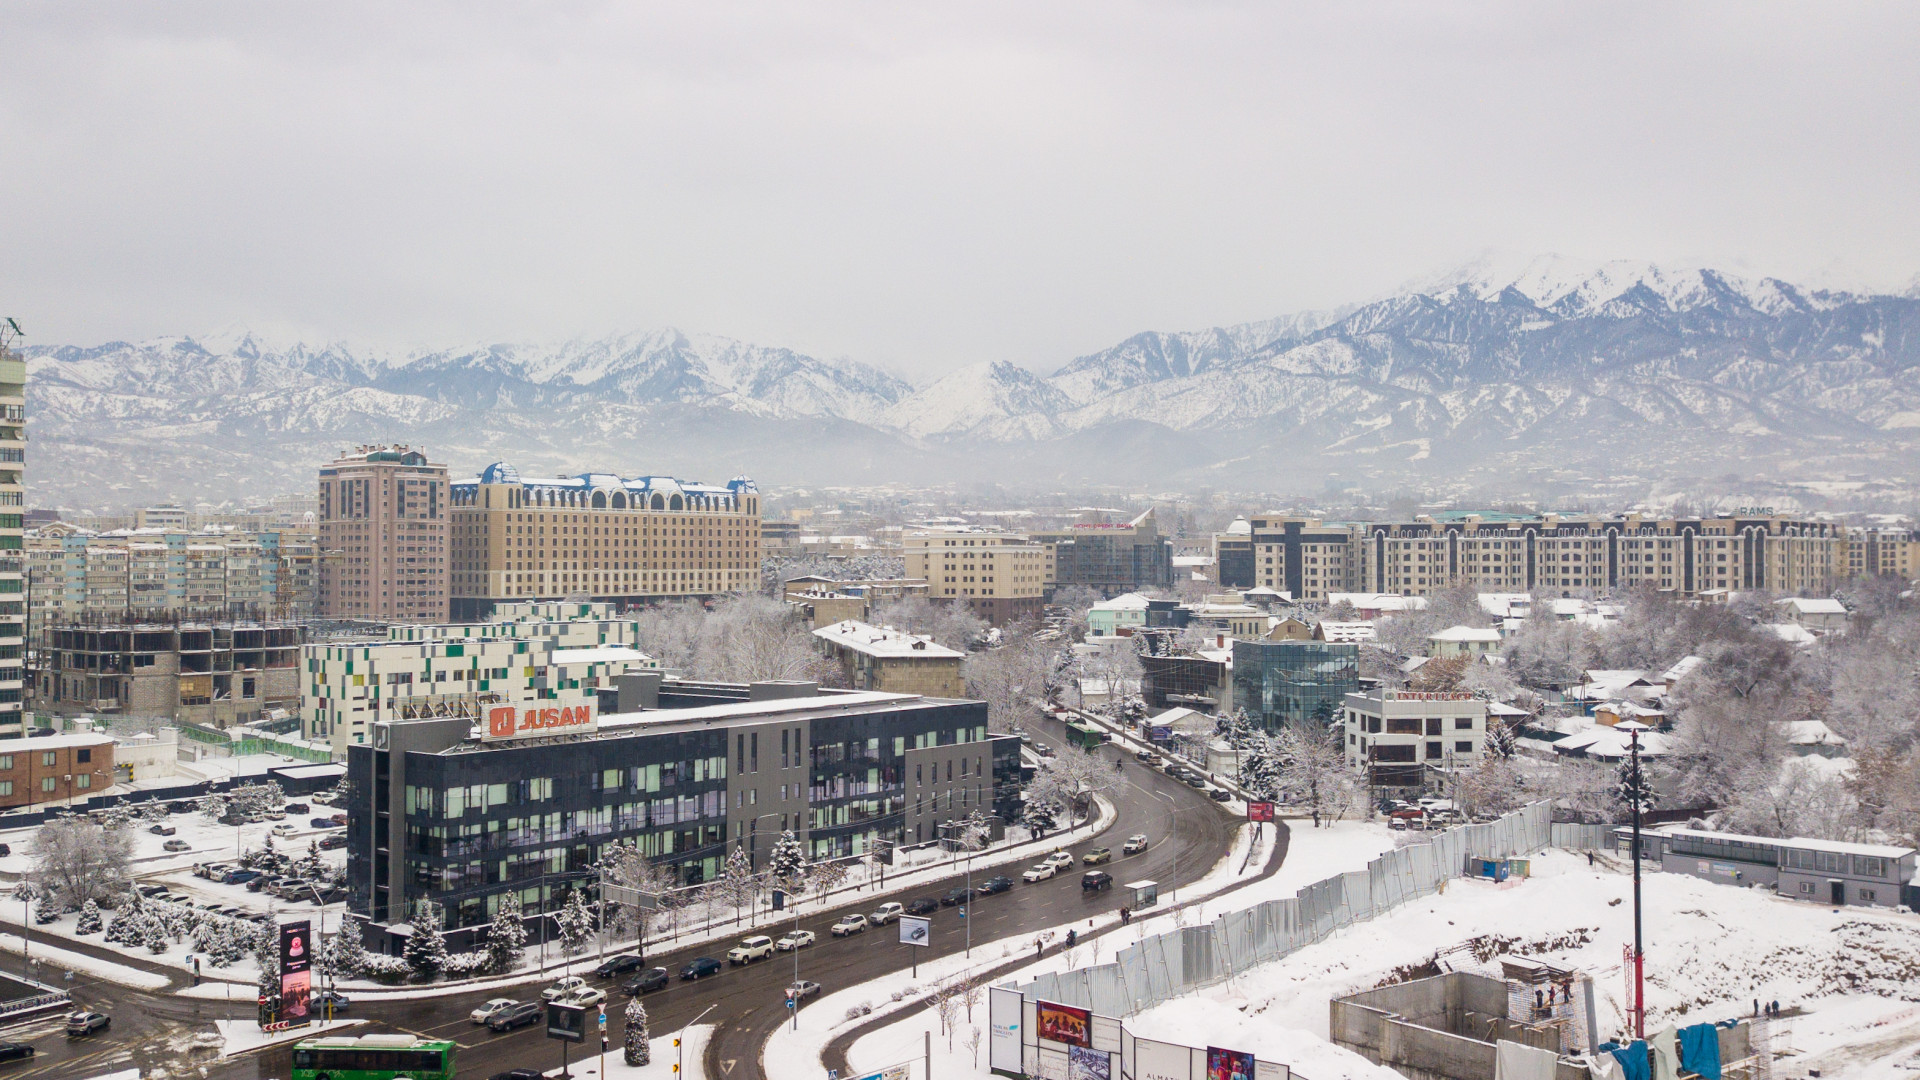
{"x": 533, "y": 722}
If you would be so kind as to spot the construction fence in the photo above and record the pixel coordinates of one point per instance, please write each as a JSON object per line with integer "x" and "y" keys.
{"x": 1180, "y": 961}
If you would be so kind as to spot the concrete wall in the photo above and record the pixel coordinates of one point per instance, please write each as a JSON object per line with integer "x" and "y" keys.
{"x": 1441, "y": 1028}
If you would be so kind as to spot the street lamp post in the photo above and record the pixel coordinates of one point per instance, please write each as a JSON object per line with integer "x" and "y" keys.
{"x": 1634, "y": 793}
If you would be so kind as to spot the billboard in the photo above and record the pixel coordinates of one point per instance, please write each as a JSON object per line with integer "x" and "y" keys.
{"x": 1003, "y": 1018}
{"x": 567, "y": 1022}
{"x": 914, "y": 931}
{"x": 1228, "y": 1064}
{"x": 506, "y": 722}
{"x": 296, "y": 973}
{"x": 1085, "y": 1064}
{"x": 1259, "y": 811}
{"x": 1063, "y": 1024}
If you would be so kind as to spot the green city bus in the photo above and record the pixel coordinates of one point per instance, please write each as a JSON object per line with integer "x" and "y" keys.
{"x": 1086, "y": 736}
{"x": 373, "y": 1057}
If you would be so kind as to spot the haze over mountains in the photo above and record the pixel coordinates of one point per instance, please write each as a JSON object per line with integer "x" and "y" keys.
{"x": 1486, "y": 372}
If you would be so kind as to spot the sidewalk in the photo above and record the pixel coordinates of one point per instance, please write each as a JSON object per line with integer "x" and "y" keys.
{"x": 49, "y": 950}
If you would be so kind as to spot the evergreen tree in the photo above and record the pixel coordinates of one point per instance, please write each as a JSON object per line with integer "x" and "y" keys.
{"x": 1259, "y": 767}
{"x": 575, "y": 923}
{"x": 311, "y": 866}
{"x": 787, "y": 865}
{"x": 507, "y": 937}
{"x": 1633, "y": 785}
{"x": 639, "y": 1051}
{"x": 47, "y": 909}
{"x": 737, "y": 885}
{"x": 266, "y": 953}
{"x": 89, "y": 919}
{"x": 1500, "y": 738}
{"x": 346, "y": 953}
{"x": 426, "y": 950}
{"x": 155, "y": 938}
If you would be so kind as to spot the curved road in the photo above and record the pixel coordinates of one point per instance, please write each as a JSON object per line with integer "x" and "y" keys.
{"x": 1189, "y": 833}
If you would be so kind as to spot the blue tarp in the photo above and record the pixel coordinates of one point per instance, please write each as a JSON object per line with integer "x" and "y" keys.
{"x": 1700, "y": 1050}
{"x": 1633, "y": 1061}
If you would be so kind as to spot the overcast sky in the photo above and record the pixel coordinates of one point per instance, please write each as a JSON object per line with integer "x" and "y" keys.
{"x": 917, "y": 186}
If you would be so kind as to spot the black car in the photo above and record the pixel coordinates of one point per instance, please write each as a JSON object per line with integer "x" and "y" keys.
{"x": 182, "y": 806}
{"x": 527, "y": 1012}
{"x": 955, "y": 896}
{"x": 1220, "y": 795}
{"x": 323, "y": 823}
{"x": 1096, "y": 881}
{"x": 701, "y": 965}
{"x": 328, "y": 843}
{"x": 296, "y": 808}
{"x": 519, "y": 1074}
{"x": 5, "y": 850}
{"x": 618, "y": 965}
{"x": 262, "y": 882}
{"x": 926, "y": 905}
{"x": 15, "y": 1051}
{"x": 995, "y": 885}
{"x": 645, "y": 982}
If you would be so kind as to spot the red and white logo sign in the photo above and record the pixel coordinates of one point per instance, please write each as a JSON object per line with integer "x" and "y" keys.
{"x": 533, "y": 721}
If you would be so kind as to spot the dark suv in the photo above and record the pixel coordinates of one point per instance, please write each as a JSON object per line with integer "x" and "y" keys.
{"x": 648, "y": 980}
{"x": 527, "y": 1012}
{"x": 1096, "y": 881}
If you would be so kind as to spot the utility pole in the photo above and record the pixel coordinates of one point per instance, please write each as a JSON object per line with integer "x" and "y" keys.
{"x": 1635, "y": 793}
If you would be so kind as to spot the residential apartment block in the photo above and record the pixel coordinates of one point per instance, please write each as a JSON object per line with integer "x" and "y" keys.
{"x": 383, "y": 537}
{"x": 882, "y": 658}
{"x": 1496, "y": 552}
{"x": 1002, "y": 576}
{"x": 216, "y": 674}
{"x": 601, "y": 536}
{"x": 13, "y": 578}
{"x": 83, "y": 576}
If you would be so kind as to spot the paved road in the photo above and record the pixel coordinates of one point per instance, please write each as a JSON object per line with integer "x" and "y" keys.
{"x": 747, "y": 1003}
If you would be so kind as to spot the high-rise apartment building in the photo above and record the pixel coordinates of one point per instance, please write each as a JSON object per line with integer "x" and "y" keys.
{"x": 383, "y": 537}
{"x": 13, "y": 498}
{"x": 601, "y": 537}
{"x": 1001, "y": 576}
{"x": 82, "y": 576}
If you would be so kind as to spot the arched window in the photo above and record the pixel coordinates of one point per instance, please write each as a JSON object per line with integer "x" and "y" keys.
{"x": 676, "y": 503}
{"x": 619, "y": 500}
{"x": 599, "y": 500}
{"x": 659, "y": 502}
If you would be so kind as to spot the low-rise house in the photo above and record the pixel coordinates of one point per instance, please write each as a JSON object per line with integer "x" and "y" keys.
{"x": 882, "y": 658}
{"x": 1457, "y": 641}
{"x": 1822, "y": 616}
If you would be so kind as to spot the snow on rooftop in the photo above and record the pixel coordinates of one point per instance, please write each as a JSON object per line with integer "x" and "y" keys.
{"x": 884, "y": 641}
{"x": 1814, "y": 606}
{"x": 1465, "y": 633}
{"x": 600, "y": 654}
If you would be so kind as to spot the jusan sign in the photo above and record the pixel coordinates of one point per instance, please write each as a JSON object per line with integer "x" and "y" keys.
{"x": 532, "y": 722}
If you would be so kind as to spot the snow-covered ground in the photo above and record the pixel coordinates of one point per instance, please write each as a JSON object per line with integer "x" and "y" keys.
{"x": 54, "y": 962}
{"x": 242, "y": 1036}
{"x": 206, "y": 842}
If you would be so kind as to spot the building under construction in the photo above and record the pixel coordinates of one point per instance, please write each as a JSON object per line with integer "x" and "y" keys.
{"x": 212, "y": 673}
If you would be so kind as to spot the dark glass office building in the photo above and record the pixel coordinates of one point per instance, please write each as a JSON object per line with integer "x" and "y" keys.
{"x": 1294, "y": 682}
{"x": 436, "y": 813}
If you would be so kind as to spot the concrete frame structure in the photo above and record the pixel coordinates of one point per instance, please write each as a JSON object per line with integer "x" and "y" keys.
{"x": 216, "y": 674}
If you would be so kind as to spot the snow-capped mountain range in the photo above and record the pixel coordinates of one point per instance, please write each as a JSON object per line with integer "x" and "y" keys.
{"x": 1500, "y": 366}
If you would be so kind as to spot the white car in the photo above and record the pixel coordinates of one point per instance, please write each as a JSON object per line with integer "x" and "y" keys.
{"x": 1038, "y": 873}
{"x": 1059, "y": 860}
{"x": 886, "y": 913}
{"x": 757, "y": 947}
{"x": 562, "y": 988}
{"x": 849, "y": 924}
{"x": 1135, "y": 844}
{"x": 283, "y": 829}
{"x": 584, "y": 995}
{"x": 487, "y": 1012}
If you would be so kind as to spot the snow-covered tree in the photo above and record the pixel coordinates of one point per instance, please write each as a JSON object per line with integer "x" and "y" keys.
{"x": 89, "y": 921}
{"x": 506, "y": 935}
{"x": 1259, "y": 766}
{"x": 153, "y": 810}
{"x": 575, "y": 924}
{"x": 75, "y": 860}
{"x": 256, "y": 799}
{"x": 947, "y": 623}
{"x": 639, "y": 1050}
{"x": 625, "y": 864}
{"x": 787, "y": 863}
{"x": 214, "y": 809}
{"x": 738, "y": 885}
{"x": 1078, "y": 775}
{"x": 1314, "y": 772}
{"x": 1633, "y": 786}
{"x": 312, "y": 866}
{"x": 47, "y": 908}
{"x": 266, "y": 953}
{"x": 346, "y": 952}
{"x": 426, "y": 950}
{"x": 155, "y": 937}
{"x": 1011, "y": 679}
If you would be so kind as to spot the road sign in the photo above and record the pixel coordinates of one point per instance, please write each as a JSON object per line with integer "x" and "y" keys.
{"x": 915, "y": 931}
{"x": 630, "y": 896}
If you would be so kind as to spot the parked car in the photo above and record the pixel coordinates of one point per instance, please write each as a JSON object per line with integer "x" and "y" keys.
{"x": 848, "y": 924}
{"x": 237, "y": 876}
{"x": 648, "y": 980}
{"x": 797, "y": 939}
{"x": 291, "y": 889}
{"x": 329, "y": 843}
{"x": 519, "y": 1074}
{"x": 177, "y": 845}
{"x": 275, "y": 815}
{"x": 296, "y": 808}
{"x": 16, "y": 1051}
{"x": 526, "y": 1012}
{"x": 86, "y": 1023}
{"x": 5, "y": 850}
{"x": 1038, "y": 873}
{"x": 584, "y": 995}
{"x": 699, "y": 966}
{"x": 925, "y": 905}
{"x": 1135, "y": 844}
{"x": 284, "y": 829}
{"x": 619, "y": 965}
{"x": 325, "y": 823}
{"x": 162, "y": 830}
{"x": 173, "y": 898}
{"x": 997, "y": 884}
{"x": 1097, "y": 856}
{"x": 565, "y": 986}
{"x": 1059, "y": 860}
{"x": 1194, "y": 780}
{"x": 492, "y": 1008}
{"x": 1220, "y": 794}
{"x": 262, "y": 881}
{"x": 1145, "y": 757}
{"x": 321, "y": 998}
{"x": 150, "y": 891}
{"x": 212, "y": 870}
{"x": 757, "y": 947}
{"x": 1096, "y": 881}
{"x": 804, "y": 989}
{"x": 182, "y": 806}
{"x": 886, "y": 913}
